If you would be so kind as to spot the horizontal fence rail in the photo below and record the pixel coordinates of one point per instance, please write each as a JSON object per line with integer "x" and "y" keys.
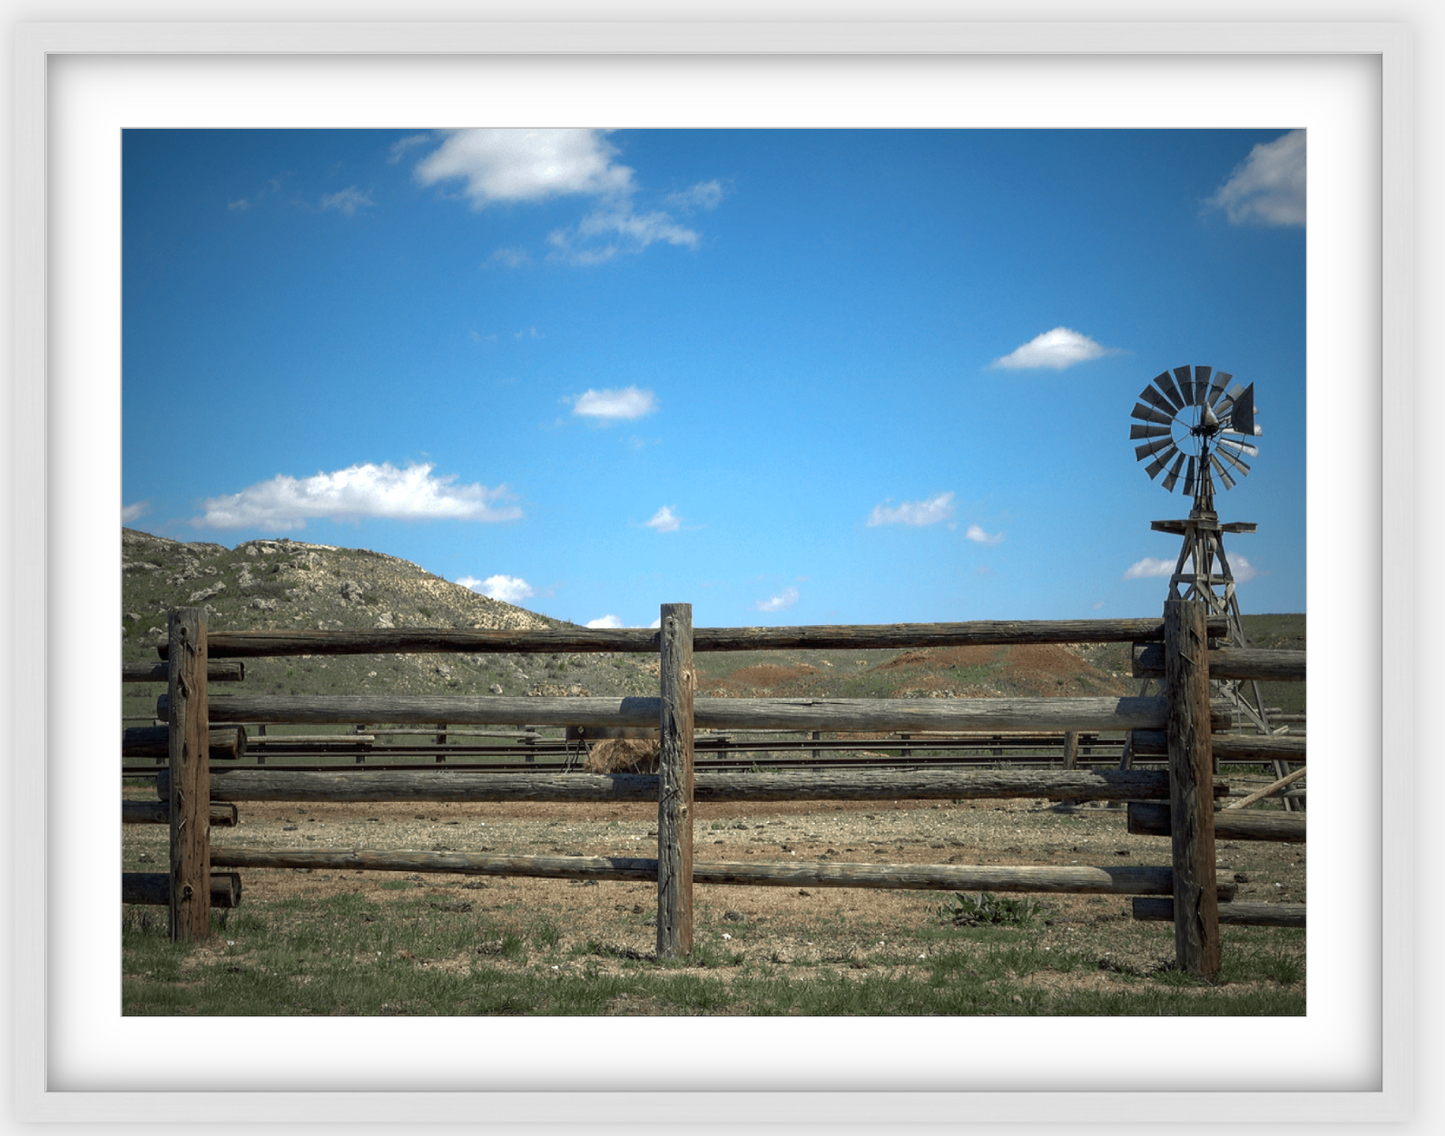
{"x": 831, "y": 714}
{"x": 255, "y": 644}
{"x": 237, "y": 785}
{"x": 1231, "y": 663}
{"x": 1110, "y": 880}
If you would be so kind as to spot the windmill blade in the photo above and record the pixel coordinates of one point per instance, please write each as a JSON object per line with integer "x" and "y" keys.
{"x": 1217, "y": 387}
{"x": 1189, "y": 478}
{"x": 1155, "y": 467}
{"x": 1149, "y": 414}
{"x": 1158, "y": 446}
{"x": 1238, "y": 447}
{"x": 1223, "y": 473}
{"x": 1240, "y": 467}
{"x": 1174, "y": 474}
{"x": 1171, "y": 392}
{"x": 1136, "y": 432}
{"x": 1157, "y": 400}
{"x": 1184, "y": 376}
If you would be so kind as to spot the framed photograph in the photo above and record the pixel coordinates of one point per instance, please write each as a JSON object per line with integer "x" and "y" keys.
{"x": 80, "y": 86}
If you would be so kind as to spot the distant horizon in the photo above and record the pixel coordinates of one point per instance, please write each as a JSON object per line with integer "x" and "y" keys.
{"x": 642, "y": 627}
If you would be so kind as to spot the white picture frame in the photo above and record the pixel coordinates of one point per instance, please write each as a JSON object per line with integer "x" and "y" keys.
{"x": 48, "y": 507}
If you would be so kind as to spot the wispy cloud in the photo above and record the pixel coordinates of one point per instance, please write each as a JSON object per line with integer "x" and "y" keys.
{"x": 784, "y": 599}
{"x": 347, "y": 201}
{"x": 402, "y": 146}
{"x": 928, "y": 512}
{"x": 975, "y": 533}
{"x": 664, "y": 520}
{"x": 504, "y": 166}
{"x": 510, "y": 257}
{"x": 1054, "y": 350}
{"x": 134, "y": 512}
{"x": 508, "y": 589}
{"x": 703, "y": 195}
{"x": 601, "y": 235}
{"x": 1268, "y": 187}
{"x": 613, "y": 405}
{"x": 368, "y": 490}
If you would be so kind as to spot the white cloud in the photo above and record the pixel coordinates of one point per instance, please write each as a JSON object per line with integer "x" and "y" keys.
{"x": 1149, "y": 566}
{"x": 509, "y": 166}
{"x": 1269, "y": 185}
{"x": 703, "y": 195}
{"x": 402, "y": 145}
{"x": 347, "y": 201}
{"x": 784, "y": 599}
{"x": 977, "y": 534}
{"x": 134, "y": 512}
{"x": 928, "y": 512}
{"x": 605, "y": 621}
{"x": 603, "y": 234}
{"x": 526, "y": 165}
{"x": 613, "y": 404}
{"x": 665, "y": 520}
{"x": 508, "y": 589}
{"x": 1240, "y": 568}
{"x": 1054, "y": 350}
{"x": 367, "y": 490}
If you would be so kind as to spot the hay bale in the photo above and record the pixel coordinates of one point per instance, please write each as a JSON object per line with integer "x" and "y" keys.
{"x": 623, "y": 755}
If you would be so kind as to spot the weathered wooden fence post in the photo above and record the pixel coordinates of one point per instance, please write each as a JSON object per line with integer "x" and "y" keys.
{"x": 190, "y": 777}
{"x": 1191, "y": 778}
{"x": 674, "y": 800}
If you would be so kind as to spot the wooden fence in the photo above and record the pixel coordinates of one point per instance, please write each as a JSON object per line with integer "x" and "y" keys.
{"x": 1180, "y": 723}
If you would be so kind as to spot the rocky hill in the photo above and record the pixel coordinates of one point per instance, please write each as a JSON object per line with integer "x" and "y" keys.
{"x": 270, "y": 584}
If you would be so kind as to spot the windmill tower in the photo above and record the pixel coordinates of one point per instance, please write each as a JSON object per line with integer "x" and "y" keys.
{"x": 1190, "y": 425}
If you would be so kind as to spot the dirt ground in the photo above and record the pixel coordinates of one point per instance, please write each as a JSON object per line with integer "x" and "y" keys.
{"x": 783, "y": 924}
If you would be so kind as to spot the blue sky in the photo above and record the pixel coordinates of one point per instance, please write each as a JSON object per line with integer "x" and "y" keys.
{"x": 790, "y": 377}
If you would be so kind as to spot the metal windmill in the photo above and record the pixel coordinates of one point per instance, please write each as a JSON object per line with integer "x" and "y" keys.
{"x": 1192, "y": 427}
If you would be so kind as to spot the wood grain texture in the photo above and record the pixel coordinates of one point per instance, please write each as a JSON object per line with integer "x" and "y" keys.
{"x": 675, "y": 784}
{"x": 226, "y": 744}
{"x": 1231, "y": 663}
{"x": 252, "y": 644}
{"x": 160, "y": 672}
{"x": 234, "y": 785}
{"x": 1191, "y": 762}
{"x": 1161, "y": 908}
{"x": 154, "y": 888}
{"x": 1230, "y": 747}
{"x": 159, "y": 812}
{"x": 901, "y": 715}
{"x": 1107, "y": 880}
{"x": 1148, "y": 818}
{"x": 190, "y": 781}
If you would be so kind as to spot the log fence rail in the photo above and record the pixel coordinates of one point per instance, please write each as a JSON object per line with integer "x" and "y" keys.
{"x": 1180, "y": 726}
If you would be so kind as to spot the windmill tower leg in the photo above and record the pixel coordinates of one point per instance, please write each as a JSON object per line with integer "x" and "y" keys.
{"x": 1202, "y": 573}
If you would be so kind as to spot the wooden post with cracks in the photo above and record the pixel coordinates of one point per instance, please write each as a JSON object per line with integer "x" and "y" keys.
{"x": 1191, "y": 801}
{"x": 190, "y": 778}
{"x": 675, "y": 784}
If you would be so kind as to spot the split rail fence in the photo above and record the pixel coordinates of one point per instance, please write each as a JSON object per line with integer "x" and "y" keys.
{"x": 1180, "y": 801}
